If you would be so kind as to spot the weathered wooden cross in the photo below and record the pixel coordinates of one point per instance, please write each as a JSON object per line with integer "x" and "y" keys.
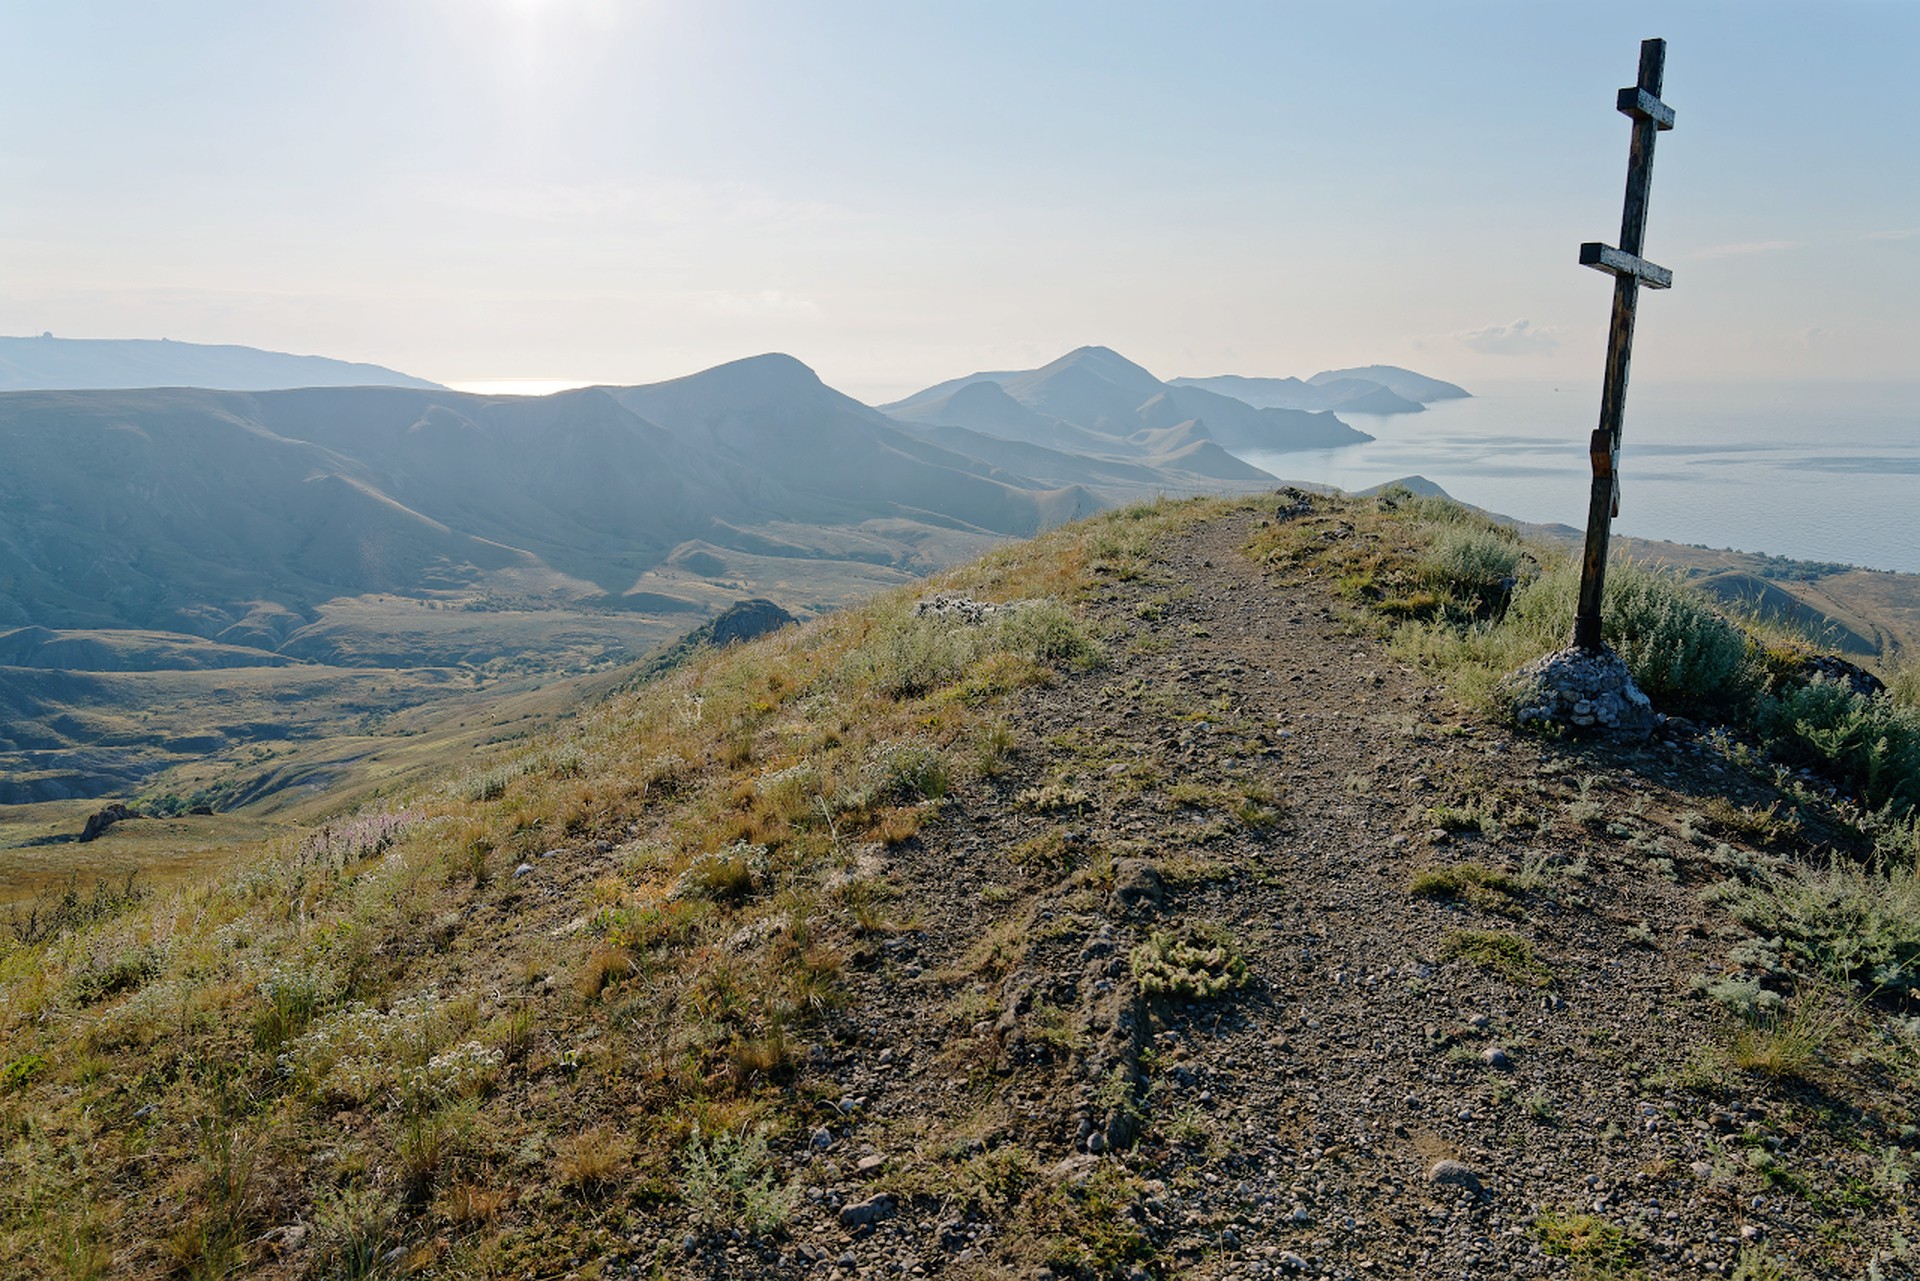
{"x": 1650, "y": 116}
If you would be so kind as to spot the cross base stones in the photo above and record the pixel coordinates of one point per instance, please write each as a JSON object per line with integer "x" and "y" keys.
{"x": 1581, "y": 689}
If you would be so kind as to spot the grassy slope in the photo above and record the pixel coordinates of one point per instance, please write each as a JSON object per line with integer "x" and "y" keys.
{"x": 1871, "y": 616}
{"x": 403, "y": 1054}
{"x": 121, "y": 733}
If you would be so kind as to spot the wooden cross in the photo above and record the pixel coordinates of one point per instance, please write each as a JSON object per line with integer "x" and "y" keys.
{"x": 1650, "y": 117}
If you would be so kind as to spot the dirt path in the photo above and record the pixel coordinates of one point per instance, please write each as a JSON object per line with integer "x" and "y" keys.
{"x": 1373, "y": 1102}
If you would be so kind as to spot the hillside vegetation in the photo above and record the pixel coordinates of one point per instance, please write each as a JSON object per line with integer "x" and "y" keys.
{"x": 1160, "y": 897}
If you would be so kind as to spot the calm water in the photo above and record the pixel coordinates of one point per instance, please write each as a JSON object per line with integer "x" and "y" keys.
{"x": 1812, "y": 471}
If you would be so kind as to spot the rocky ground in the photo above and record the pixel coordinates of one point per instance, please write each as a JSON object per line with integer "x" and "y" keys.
{"x": 1509, "y": 1075}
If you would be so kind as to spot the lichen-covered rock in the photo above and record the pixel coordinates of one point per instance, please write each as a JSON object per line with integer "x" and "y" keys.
{"x": 1833, "y": 668}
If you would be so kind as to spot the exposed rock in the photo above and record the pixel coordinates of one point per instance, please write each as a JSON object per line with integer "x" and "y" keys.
{"x": 1832, "y": 667}
{"x": 1293, "y": 502}
{"x": 860, "y": 1214}
{"x": 746, "y": 620}
{"x": 1447, "y": 1172}
{"x": 739, "y": 622}
{"x": 285, "y": 1239}
{"x": 101, "y": 819}
{"x": 963, "y": 609}
{"x": 1136, "y": 882}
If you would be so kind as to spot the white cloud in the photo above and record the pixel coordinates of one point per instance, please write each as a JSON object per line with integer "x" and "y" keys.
{"x": 1516, "y": 338}
{"x": 766, "y": 303}
{"x": 1905, "y": 233}
{"x": 1746, "y": 249}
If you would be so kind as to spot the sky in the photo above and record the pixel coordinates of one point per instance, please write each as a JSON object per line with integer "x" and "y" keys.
{"x": 899, "y": 193}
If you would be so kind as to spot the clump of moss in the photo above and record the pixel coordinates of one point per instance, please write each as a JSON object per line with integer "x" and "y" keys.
{"x": 1195, "y": 963}
{"x": 1507, "y": 955}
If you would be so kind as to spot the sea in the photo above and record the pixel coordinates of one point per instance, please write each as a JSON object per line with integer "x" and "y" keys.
{"x": 1826, "y": 471}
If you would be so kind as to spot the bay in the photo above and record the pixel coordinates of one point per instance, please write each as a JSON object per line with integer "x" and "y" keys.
{"x": 1826, "y": 471}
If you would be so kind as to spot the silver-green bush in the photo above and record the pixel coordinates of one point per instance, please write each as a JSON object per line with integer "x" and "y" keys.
{"x": 1870, "y": 743}
{"x": 1678, "y": 647}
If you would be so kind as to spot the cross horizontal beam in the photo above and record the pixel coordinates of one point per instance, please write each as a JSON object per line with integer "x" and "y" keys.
{"x": 1621, "y": 263}
{"x": 1637, "y": 102}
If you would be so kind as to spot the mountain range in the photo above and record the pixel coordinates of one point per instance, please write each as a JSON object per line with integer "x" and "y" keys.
{"x": 1094, "y": 400}
{"x": 237, "y": 516}
{"x": 49, "y": 363}
{"x": 1369, "y": 389}
{"x": 189, "y": 573}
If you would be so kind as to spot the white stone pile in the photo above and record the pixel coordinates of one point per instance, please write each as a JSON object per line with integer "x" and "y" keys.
{"x": 1581, "y": 689}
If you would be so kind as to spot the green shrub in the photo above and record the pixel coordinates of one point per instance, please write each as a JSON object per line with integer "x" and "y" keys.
{"x": 1742, "y": 996}
{"x": 1680, "y": 650}
{"x": 729, "y": 1183}
{"x": 353, "y": 1229}
{"x": 910, "y": 654}
{"x": 1781, "y": 1044}
{"x": 21, "y": 1070}
{"x": 102, "y": 977}
{"x": 1600, "y": 1247}
{"x": 725, "y": 876}
{"x": 1757, "y": 1264}
{"x": 1436, "y": 509}
{"x": 1473, "y": 564}
{"x": 1856, "y": 925}
{"x": 1484, "y": 887}
{"x": 1904, "y": 684}
{"x": 1871, "y": 744}
{"x": 62, "y": 911}
{"x": 291, "y": 997}
{"x": 907, "y": 772}
{"x": 1047, "y": 633}
{"x": 1507, "y": 955}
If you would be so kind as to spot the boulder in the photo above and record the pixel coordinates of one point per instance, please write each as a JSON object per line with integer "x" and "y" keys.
{"x": 100, "y": 820}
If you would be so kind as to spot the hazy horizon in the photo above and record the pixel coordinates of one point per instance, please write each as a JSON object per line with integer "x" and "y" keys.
{"x": 579, "y": 191}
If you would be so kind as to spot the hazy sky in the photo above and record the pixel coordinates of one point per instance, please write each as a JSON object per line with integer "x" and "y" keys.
{"x": 899, "y": 192}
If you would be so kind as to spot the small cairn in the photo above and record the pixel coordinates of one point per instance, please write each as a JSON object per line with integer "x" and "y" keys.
{"x": 1581, "y": 689}
{"x": 962, "y": 609}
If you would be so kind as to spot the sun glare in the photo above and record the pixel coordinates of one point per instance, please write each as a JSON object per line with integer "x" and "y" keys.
{"x": 519, "y": 386}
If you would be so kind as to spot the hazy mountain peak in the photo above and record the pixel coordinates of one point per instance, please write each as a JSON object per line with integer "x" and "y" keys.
{"x": 772, "y": 371}
{"x": 1110, "y": 365}
{"x": 1401, "y": 382}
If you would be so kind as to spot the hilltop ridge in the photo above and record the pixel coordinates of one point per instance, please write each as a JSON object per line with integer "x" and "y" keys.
{"x": 47, "y": 363}
{"x": 1122, "y": 904}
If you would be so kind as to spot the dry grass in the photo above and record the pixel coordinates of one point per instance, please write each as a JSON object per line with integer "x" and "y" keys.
{"x": 592, "y": 1158}
{"x": 680, "y": 975}
{"x": 1788, "y": 1044}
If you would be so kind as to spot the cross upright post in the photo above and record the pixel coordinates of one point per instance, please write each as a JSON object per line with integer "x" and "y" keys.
{"x": 1641, "y": 102}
